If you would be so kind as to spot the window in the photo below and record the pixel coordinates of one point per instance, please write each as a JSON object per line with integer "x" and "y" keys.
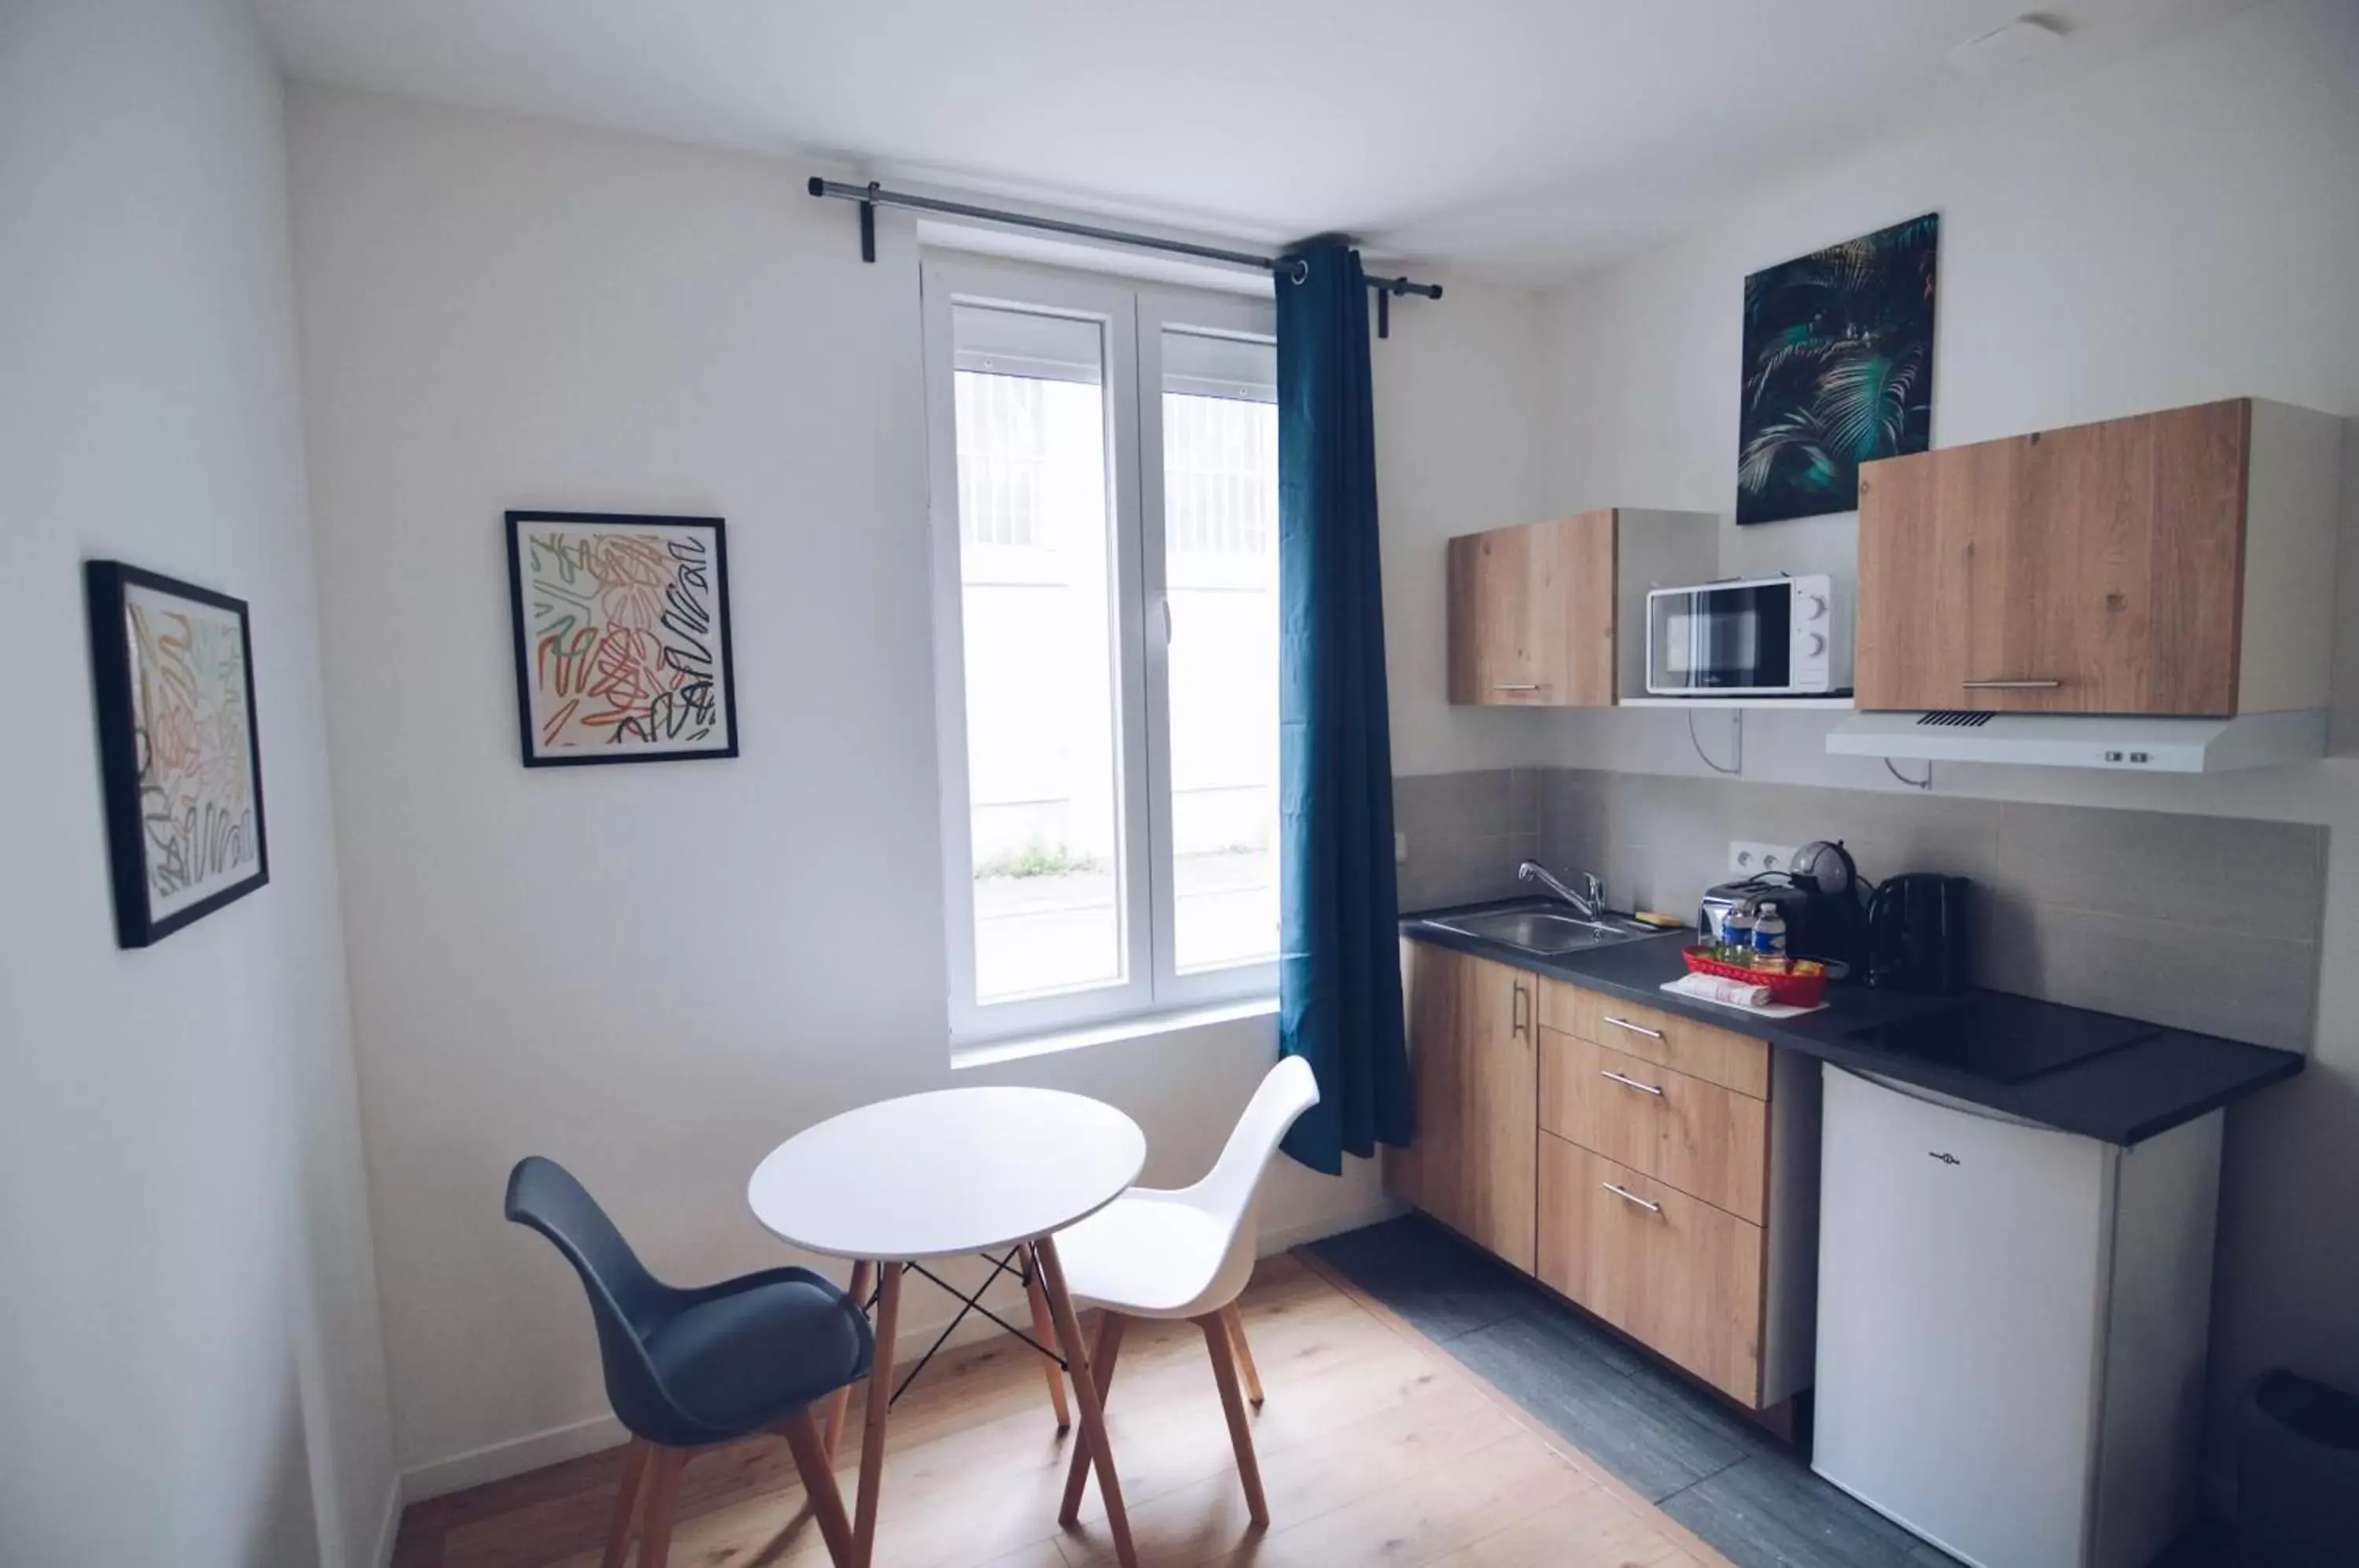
{"x": 1105, "y": 492}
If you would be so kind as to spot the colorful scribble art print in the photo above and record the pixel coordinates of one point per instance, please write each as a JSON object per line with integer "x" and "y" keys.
{"x": 622, "y": 638}
{"x": 1838, "y": 370}
{"x": 180, "y": 760}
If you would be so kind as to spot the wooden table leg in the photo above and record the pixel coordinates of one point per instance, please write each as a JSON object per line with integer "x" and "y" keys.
{"x": 880, "y": 1402}
{"x": 1044, "y": 1332}
{"x": 1094, "y": 1427}
{"x": 839, "y": 1402}
{"x": 1102, "y": 1359}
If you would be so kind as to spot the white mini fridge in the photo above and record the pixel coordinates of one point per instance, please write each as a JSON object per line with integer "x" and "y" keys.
{"x": 2012, "y": 1323}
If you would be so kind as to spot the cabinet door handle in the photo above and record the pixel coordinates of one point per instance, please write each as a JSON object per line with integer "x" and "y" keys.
{"x": 1503, "y": 686}
{"x": 1625, "y": 1193}
{"x": 1518, "y": 1022}
{"x": 1634, "y": 1028}
{"x": 1630, "y": 1083}
{"x": 2010, "y": 685}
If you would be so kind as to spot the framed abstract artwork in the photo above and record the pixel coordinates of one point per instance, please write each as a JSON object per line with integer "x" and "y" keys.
{"x": 622, "y": 638}
{"x": 1838, "y": 370}
{"x": 180, "y": 760}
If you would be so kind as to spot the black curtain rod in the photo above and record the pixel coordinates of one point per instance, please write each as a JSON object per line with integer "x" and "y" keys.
{"x": 872, "y": 196}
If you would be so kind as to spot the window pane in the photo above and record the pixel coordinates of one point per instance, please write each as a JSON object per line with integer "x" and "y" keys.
{"x": 1220, "y": 543}
{"x": 1035, "y": 526}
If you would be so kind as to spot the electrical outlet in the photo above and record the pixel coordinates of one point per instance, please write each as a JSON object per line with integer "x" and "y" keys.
{"x": 1748, "y": 858}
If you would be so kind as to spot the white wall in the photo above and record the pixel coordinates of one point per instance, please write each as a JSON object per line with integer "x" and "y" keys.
{"x": 2179, "y": 227}
{"x": 655, "y": 973}
{"x": 188, "y": 1326}
{"x": 1460, "y": 448}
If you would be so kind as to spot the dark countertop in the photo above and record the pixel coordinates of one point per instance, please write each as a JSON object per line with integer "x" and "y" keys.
{"x": 2123, "y": 1096}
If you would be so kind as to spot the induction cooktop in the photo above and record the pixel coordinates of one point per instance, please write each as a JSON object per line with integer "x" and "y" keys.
{"x": 2007, "y": 1039}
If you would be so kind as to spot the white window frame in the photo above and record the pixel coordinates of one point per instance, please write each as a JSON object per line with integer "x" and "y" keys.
{"x": 1133, "y": 319}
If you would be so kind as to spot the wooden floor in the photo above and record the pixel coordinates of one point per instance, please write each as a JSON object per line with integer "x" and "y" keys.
{"x": 1376, "y": 1447}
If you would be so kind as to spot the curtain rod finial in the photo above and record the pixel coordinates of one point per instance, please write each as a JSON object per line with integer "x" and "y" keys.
{"x": 817, "y": 187}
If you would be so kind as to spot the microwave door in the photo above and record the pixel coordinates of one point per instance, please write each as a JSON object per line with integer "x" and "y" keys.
{"x": 1680, "y": 652}
{"x": 1674, "y": 642}
{"x": 1733, "y": 638}
{"x": 1747, "y": 638}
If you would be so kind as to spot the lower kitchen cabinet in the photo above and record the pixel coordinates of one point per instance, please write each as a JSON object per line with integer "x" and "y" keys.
{"x": 1475, "y": 1075}
{"x": 1699, "y": 1136}
{"x": 1665, "y": 1268}
{"x": 1659, "y": 1172}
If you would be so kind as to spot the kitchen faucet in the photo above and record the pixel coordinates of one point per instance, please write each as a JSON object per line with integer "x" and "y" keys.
{"x": 1592, "y": 904}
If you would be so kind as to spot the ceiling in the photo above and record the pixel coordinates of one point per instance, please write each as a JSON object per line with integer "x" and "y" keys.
{"x": 1520, "y": 139}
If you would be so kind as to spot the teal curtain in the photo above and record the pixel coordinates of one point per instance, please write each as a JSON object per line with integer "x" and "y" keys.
{"x": 1339, "y": 965}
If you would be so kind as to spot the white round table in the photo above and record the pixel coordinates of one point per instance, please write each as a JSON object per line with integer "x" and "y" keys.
{"x": 936, "y": 1175}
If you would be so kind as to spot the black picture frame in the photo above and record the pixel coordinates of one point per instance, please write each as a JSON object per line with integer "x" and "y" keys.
{"x": 531, "y": 743}
{"x": 1838, "y": 370}
{"x": 122, "y": 755}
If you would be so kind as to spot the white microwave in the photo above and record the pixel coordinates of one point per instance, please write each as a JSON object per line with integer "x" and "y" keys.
{"x": 1761, "y": 636}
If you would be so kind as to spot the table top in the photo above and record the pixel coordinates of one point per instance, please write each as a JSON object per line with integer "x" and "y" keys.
{"x": 954, "y": 1171}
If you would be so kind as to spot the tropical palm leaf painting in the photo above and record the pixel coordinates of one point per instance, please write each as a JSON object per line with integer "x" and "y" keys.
{"x": 1838, "y": 370}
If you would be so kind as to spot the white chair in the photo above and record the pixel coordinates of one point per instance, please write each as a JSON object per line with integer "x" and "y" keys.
{"x": 1187, "y": 1254}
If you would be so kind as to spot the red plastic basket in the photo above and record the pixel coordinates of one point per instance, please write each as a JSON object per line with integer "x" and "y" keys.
{"x": 1786, "y": 990}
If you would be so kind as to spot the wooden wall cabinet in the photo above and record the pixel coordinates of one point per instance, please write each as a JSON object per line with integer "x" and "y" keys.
{"x": 1553, "y": 614}
{"x": 2178, "y": 564}
{"x": 1659, "y": 1172}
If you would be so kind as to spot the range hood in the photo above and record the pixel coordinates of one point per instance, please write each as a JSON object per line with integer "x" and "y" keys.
{"x": 2136, "y": 743}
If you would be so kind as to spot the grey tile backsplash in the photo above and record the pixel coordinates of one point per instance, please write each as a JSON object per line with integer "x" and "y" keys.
{"x": 2202, "y": 922}
{"x": 1467, "y": 832}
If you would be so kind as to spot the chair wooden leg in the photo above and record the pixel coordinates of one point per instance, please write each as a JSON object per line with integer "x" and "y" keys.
{"x": 663, "y": 1505}
{"x": 1225, "y": 1372}
{"x": 880, "y": 1404}
{"x": 1046, "y": 1333}
{"x": 1102, "y": 1359}
{"x": 1236, "y": 1323}
{"x": 801, "y": 1432}
{"x": 863, "y": 1273}
{"x": 1085, "y": 1386}
{"x": 626, "y": 1503}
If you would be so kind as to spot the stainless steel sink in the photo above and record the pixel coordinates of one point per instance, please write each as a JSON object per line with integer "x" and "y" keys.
{"x": 1544, "y": 931}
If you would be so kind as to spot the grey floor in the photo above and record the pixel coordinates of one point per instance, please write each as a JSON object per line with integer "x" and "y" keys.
{"x": 1735, "y": 1484}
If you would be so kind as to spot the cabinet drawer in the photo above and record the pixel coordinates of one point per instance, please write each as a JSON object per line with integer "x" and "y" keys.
{"x": 1715, "y": 1055}
{"x": 1708, "y": 1142}
{"x": 1669, "y": 1271}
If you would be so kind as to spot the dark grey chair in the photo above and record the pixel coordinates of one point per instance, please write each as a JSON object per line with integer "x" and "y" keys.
{"x": 689, "y": 1369}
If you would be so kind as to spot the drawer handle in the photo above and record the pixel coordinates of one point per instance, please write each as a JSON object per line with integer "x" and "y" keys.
{"x": 2010, "y": 685}
{"x": 1501, "y": 686}
{"x": 1630, "y": 1083}
{"x": 1625, "y": 1193}
{"x": 1634, "y": 1028}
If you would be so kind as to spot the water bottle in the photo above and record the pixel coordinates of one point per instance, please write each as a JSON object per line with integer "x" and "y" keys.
{"x": 1737, "y": 936}
{"x": 1770, "y": 940}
